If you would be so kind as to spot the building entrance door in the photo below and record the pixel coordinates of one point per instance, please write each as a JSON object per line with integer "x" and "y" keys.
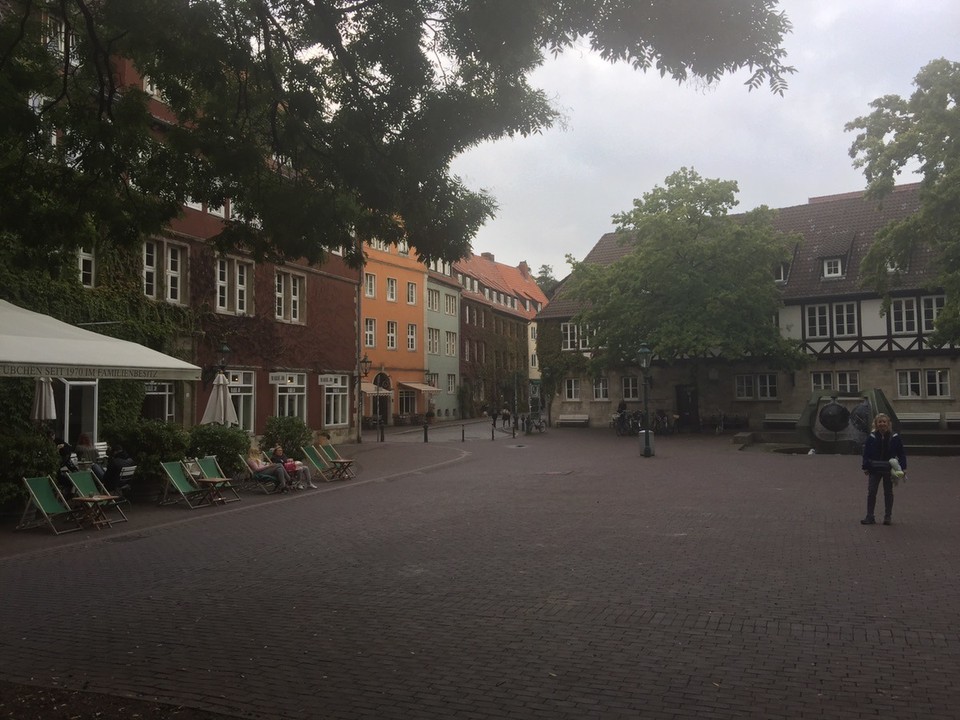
{"x": 688, "y": 408}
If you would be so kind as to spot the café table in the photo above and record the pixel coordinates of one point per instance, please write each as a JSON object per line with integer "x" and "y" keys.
{"x": 92, "y": 507}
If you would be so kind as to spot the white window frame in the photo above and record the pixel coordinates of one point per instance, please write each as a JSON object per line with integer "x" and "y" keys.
{"x": 411, "y": 337}
{"x": 234, "y": 281}
{"x": 242, "y": 385}
{"x": 86, "y": 260}
{"x": 818, "y": 321}
{"x": 433, "y": 299}
{"x": 845, "y": 319}
{"x": 291, "y": 397}
{"x": 767, "y": 388}
{"x": 168, "y": 399}
{"x": 369, "y": 332}
{"x": 450, "y": 344}
{"x": 289, "y": 292}
{"x": 848, "y": 381}
{"x": 369, "y": 285}
{"x": 601, "y": 388}
{"x": 391, "y": 289}
{"x": 451, "y": 384}
{"x": 903, "y": 316}
{"x": 450, "y": 304}
{"x": 936, "y": 383}
{"x": 433, "y": 341}
{"x": 392, "y": 334}
{"x": 821, "y": 380}
{"x": 165, "y": 270}
{"x": 630, "y": 387}
{"x": 932, "y": 306}
{"x": 909, "y": 384}
{"x": 411, "y": 293}
{"x": 781, "y": 272}
{"x": 336, "y": 402}
{"x": 833, "y": 267}
{"x": 571, "y": 389}
{"x": 570, "y": 336}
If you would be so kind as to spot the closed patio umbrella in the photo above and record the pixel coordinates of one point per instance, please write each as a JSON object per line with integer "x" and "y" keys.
{"x": 44, "y": 408}
{"x": 220, "y": 407}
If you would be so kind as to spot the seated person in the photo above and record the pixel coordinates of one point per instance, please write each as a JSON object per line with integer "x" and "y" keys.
{"x": 65, "y": 466}
{"x": 109, "y": 473}
{"x": 281, "y": 480}
{"x": 85, "y": 450}
{"x": 293, "y": 467}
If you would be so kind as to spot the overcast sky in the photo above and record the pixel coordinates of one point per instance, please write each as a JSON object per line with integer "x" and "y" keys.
{"x": 627, "y": 131}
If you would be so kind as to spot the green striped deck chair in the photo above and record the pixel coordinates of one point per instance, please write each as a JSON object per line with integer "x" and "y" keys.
{"x": 86, "y": 484}
{"x": 47, "y": 506}
{"x": 318, "y": 461}
{"x": 211, "y": 469}
{"x": 180, "y": 488}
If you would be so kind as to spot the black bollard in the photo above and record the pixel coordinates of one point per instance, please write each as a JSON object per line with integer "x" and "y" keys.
{"x": 425, "y": 426}
{"x": 380, "y": 425}
{"x": 463, "y": 433}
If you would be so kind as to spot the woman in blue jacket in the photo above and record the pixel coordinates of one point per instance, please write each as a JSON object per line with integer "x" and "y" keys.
{"x": 881, "y": 446}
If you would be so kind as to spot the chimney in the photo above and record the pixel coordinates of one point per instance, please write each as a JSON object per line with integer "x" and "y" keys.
{"x": 524, "y": 269}
{"x": 487, "y": 256}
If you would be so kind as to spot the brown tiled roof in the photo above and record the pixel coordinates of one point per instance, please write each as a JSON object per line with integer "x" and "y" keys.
{"x": 830, "y": 226}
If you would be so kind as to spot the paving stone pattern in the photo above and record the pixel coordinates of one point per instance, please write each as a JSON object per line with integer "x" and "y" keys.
{"x": 550, "y": 576}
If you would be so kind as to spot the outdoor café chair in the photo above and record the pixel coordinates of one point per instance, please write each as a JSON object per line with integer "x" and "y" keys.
{"x": 211, "y": 470}
{"x": 47, "y": 506}
{"x": 86, "y": 484}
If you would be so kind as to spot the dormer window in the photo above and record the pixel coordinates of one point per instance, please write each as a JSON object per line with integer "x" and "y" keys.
{"x": 832, "y": 267}
{"x": 781, "y": 272}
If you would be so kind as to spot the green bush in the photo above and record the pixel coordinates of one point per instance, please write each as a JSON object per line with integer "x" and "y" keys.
{"x": 150, "y": 442}
{"x": 224, "y": 442}
{"x": 23, "y": 453}
{"x": 290, "y": 432}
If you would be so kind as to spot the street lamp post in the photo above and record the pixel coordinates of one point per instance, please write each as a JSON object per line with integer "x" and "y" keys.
{"x": 643, "y": 356}
{"x": 363, "y": 369}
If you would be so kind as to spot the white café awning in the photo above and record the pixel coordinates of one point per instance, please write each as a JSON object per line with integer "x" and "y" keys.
{"x": 371, "y": 389}
{"x": 34, "y": 345}
{"x": 420, "y": 386}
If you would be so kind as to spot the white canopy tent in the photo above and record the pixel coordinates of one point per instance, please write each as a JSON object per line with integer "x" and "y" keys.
{"x": 34, "y": 345}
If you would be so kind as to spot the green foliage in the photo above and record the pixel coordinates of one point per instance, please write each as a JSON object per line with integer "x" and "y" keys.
{"x": 289, "y": 432}
{"x": 149, "y": 442}
{"x": 365, "y": 105}
{"x": 546, "y": 281}
{"x": 695, "y": 283}
{"x": 923, "y": 128}
{"x": 24, "y": 452}
{"x": 224, "y": 442}
{"x": 555, "y": 364}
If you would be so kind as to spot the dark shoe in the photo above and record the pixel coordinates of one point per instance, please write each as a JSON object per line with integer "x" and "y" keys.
{"x": 868, "y": 521}
{"x": 887, "y": 521}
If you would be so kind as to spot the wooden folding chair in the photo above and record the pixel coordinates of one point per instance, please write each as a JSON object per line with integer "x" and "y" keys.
{"x": 318, "y": 461}
{"x": 47, "y": 506}
{"x": 88, "y": 485}
{"x": 211, "y": 470}
{"x": 182, "y": 487}
{"x": 343, "y": 466}
{"x": 267, "y": 484}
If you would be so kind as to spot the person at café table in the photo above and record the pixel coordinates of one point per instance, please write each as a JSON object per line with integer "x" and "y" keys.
{"x": 109, "y": 472}
{"x": 85, "y": 450}
{"x": 300, "y": 471}
{"x": 281, "y": 480}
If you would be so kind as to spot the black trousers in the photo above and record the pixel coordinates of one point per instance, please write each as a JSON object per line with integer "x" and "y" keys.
{"x": 873, "y": 484}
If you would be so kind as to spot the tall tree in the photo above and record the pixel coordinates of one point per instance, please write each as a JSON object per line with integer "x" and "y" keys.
{"x": 546, "y": 281}
{"x": 924, "y": 128}
{"x": 321, "y": 120}
{"x": 696, "y": 282}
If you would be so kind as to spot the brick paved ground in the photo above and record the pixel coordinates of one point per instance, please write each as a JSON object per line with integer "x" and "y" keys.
{"x": 552, "y": 576}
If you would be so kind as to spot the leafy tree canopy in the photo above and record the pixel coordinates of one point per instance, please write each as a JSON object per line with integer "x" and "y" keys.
{"x": 546, "y": 281}
{"x": 321, "y": 120}
{"x": 695, "y": 283}
{"x": 923, "y": 128}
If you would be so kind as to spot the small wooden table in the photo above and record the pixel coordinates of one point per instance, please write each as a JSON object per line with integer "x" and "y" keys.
{"x": 341, "y": 468}
{"x": 211, "y": 488}
{"x": 93, "y": 514}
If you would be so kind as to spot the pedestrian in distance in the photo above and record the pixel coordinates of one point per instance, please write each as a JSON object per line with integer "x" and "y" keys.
{"x": 882, "y": 448}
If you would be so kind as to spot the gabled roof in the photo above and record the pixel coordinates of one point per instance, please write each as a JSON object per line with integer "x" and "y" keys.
{"x": 513, "y": 281}
{"x": 832, "y": 226}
